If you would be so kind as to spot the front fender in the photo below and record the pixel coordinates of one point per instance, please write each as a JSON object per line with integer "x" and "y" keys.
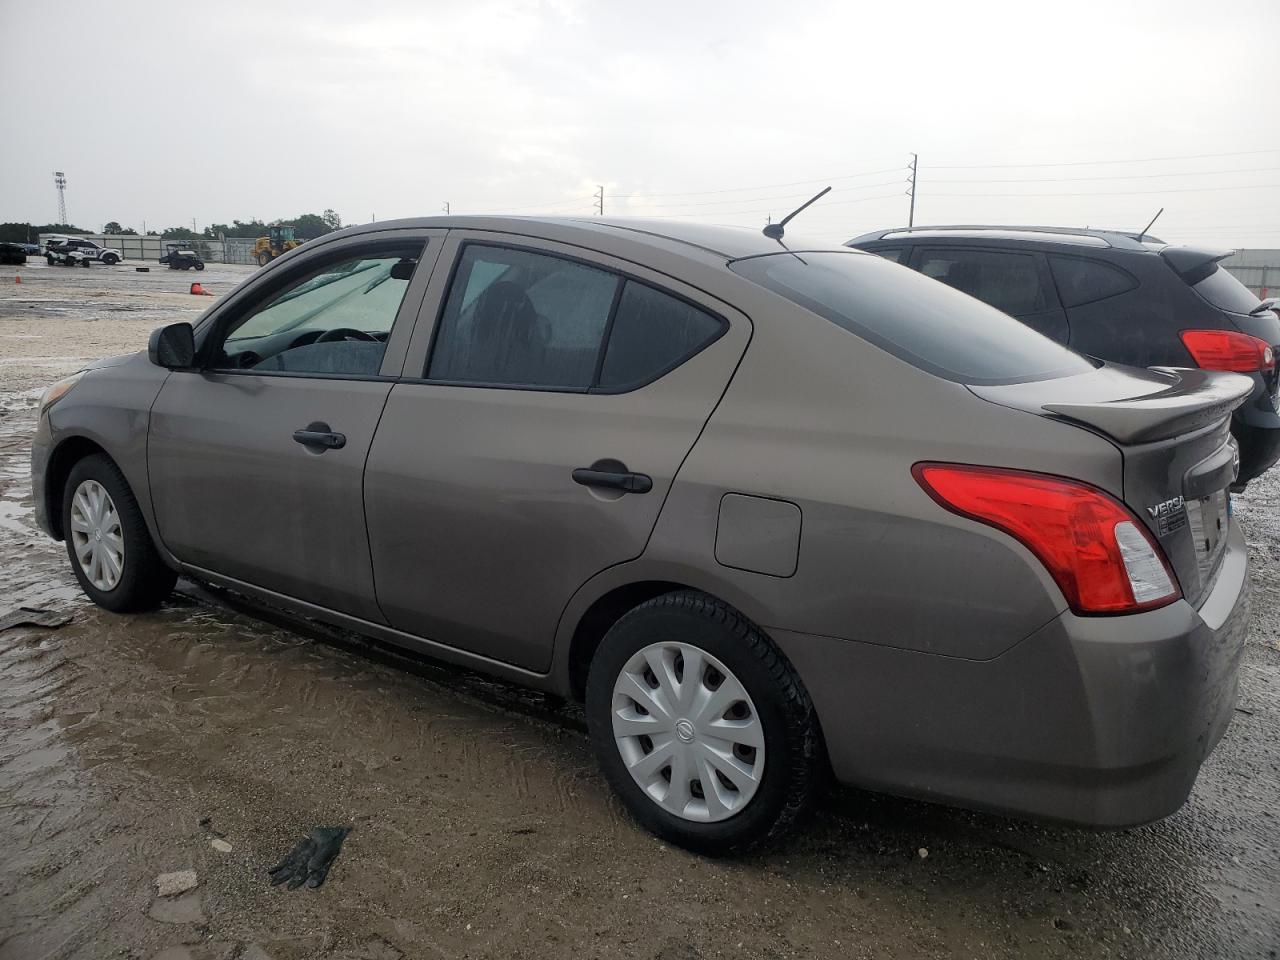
{"x": 110, "y": 408}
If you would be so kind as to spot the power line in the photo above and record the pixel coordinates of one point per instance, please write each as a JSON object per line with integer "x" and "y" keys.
{"x": 1115, "y": 193}
{"x": 1120, "y": 176}
{"x": 766, "y": 186}
{"x": 539, "y": 206}
{"x": 735, "y": 213}
{"x": 789, "y": 196}
{"x": 1090, "y": 163}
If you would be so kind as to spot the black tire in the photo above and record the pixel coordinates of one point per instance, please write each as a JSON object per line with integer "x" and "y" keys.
{"x": 145, "y": 580}
{"x": 199, "y": 265}
{"x": 795, "y": 763}
{"x": 110, "y": 260}
{"x": 264, "y": 259}
{"x": 50, "y": 258}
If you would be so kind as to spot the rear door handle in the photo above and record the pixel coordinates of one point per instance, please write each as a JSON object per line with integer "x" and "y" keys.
{"x": 611, "y": 480}
{"x": 319, "y": 435}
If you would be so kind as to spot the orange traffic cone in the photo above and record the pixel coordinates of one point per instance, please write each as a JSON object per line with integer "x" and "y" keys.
{"x": 200, "y": 291}
{"x": 18, "y": 278}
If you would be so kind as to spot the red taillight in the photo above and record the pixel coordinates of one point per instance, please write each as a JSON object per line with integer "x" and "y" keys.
{"x": 1228, "y": 350}
{"x": 1097, "y": 551}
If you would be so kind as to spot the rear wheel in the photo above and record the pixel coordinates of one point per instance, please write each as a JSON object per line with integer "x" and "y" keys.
{"x": 701, "y": 725}
{"x": 108, "y": 543}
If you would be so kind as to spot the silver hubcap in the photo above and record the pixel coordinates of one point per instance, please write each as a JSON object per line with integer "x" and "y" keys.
{"x": 96, "y": 535}
{"x": 688, "y": 732}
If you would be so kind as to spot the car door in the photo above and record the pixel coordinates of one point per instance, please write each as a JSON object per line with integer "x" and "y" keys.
{"x": 256, "y": 458}
{"x": 534, "y": 437}
{"x": 1016, "y": 282}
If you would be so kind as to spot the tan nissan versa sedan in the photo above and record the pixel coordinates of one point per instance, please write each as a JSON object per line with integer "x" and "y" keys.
{"x": 769, "y": 511}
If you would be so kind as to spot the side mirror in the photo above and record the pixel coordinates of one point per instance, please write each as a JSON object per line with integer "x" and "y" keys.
{"x": 173, "y": 346}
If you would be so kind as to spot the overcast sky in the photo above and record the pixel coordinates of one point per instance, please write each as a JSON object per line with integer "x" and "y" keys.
{"x": 1074, "y": 114}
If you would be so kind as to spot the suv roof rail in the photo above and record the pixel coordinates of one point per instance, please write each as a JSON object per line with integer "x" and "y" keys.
{"x": 1120, "y": 238}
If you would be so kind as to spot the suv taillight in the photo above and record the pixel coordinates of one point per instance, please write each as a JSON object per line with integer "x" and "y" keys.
{"x": 1097, "y": 551}
{"x": 1228, "y": 350}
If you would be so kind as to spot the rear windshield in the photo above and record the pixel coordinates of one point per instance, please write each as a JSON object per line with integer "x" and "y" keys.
{"x": 919, "y": 320}
{"x": 1225, "y": 292}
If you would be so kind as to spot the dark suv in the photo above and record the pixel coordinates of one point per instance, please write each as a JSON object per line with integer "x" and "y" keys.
{"x": 1115, "y": 296}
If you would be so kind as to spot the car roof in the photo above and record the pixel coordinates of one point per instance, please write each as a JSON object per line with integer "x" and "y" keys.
{"x": 727, "y": 242}
{"x": 1077, "y": 236}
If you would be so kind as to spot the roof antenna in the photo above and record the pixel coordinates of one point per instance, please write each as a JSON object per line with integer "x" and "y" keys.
{"x": 1148, "y": 226}
{"x": 774, "y": 231}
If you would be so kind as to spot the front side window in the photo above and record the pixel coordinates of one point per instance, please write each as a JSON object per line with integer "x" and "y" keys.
{"x": 1008, "y": 281}
{"x": 526, "y": 319}
{"x": 332, "y": 319}
{"x": 913, "y": 318}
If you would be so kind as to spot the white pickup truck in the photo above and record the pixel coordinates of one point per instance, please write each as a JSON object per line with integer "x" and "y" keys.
{"x": 70, "y": 251}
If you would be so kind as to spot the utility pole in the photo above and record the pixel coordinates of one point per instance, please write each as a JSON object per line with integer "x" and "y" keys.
{"x": 445, "y": 208}
{"x": 911, "y": 214}
{"x": 193, "y": 225}
{"x": 599, "y": 195}
{"x": 60, "y": 181}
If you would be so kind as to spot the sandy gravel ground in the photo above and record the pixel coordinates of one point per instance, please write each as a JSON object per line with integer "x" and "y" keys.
{"x": 129, "y": 744}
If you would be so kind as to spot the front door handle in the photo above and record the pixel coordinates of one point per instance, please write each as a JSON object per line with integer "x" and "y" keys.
{"x": 319, "y": 435}
{"x": 613, "y": 479}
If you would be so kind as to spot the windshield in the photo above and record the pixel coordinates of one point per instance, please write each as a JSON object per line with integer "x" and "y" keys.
{"x": 919, "y": 320}
{"x": 1225, "y": 292}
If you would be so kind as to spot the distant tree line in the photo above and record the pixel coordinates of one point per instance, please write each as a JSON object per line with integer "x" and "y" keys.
{"x": 27, "y": 232}
{"x": 306, "y": 227}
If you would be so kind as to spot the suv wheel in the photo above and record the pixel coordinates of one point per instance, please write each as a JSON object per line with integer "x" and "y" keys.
{"x": 701, "y": 725}
{"x": 107, "y": 540}
{"x": 111, "y": 259}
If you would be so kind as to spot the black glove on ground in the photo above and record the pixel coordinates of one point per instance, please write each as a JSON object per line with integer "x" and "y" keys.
{"x": 310, "y": 860}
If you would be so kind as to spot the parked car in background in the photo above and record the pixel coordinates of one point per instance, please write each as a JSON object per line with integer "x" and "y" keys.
{"x": 30, "y": 249}
{"x": 71, "y": 251}
{"x": 181, "y": 255}
{"x": 1118, "y": 297}
{"x": 768, "y": 513}
{"x": 12, "y": 254}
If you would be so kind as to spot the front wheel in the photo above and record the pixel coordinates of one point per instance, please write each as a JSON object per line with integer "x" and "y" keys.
{"x": 701, "y": 725}
{"x": 264, "y": 259}
{"x": 199, "y": 265}
{"x": 110, "y": 260}
{"x": 110, "y": 548}
{"x": 50, "y": 258}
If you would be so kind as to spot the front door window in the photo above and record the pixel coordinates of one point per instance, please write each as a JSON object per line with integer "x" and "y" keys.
{"x": 334, "y": 319}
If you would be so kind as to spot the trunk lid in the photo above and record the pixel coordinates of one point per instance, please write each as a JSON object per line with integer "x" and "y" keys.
{"x": 1172, "y": 427}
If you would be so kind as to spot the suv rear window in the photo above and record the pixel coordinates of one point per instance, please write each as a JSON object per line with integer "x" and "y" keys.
{"x": 1225, "y": 292}
{"x": 916, "y": 319}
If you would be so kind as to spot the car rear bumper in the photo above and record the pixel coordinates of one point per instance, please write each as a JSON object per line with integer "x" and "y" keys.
{"x": 1257, "y": 433}
{"x": 1101, "y": 721}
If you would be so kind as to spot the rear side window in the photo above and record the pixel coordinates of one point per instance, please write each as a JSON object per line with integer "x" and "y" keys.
{"x": 913, "y": 318}
{"x": 1086, "y": 281}
{"x": 652, "y": 333}
{"x": 1008, "y": 281}
{"x": 519, "y": 318}
{"x": 1225, "y": 292}
{"x": 892, "y": 254}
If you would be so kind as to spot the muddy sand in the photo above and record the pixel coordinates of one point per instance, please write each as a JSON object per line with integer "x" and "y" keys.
{"x": 128, "y": 745}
